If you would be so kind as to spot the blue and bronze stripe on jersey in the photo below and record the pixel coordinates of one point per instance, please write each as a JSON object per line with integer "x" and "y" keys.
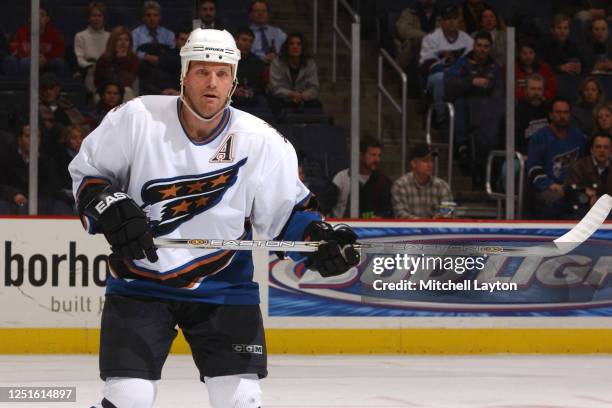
{"x": 173, "y": 201}
{"x": 185, "y": 276}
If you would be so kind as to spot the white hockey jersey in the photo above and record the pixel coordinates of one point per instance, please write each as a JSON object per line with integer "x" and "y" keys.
{"x": 244, "y": 173}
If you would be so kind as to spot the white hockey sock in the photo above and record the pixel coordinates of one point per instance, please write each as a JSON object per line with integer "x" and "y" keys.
{"x": 234, "y": 391}
{"x": 125, "y": 392}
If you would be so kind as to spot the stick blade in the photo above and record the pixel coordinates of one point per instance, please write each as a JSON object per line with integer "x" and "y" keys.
{"x": 590, "y": 223}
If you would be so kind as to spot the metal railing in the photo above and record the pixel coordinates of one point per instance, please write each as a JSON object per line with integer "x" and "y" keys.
{"x": 400, "y": 107}
{"x": 451, "y": 141}
{"x": 354, "y": 45}
{"x": 499, "y": 197}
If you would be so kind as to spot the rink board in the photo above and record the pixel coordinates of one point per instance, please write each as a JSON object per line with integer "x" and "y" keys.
{"x": 52, "y": 292}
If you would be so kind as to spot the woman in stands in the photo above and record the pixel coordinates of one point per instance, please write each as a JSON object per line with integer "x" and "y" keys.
{"x": 294, "y": 80}
{"x": 590, "y": 94}
{"x": 492, "y": 23}
{"x": 119, "y": 63}
{"x": 602, "y": 118}
{"x": 90, "y": 43}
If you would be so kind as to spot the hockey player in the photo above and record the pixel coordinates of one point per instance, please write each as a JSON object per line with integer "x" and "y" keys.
{"x": 186, "y": 167}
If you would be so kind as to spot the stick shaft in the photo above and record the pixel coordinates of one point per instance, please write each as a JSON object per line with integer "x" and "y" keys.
{"x": 580, "y": 233}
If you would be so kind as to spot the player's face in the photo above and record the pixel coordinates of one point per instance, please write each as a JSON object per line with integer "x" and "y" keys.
{"x": 244, "y": 42}
{"x": 295, "y": 47}
{"x": 96, "y": 19}
{"x": 259, "y": 13}
{"x": 371, "y": 158}
{"x": 488, "y": 20}
{"x": 151, "y": 18}
{"x": 590, "y": 93}
{"x": 561, "y": 31}
{"x": 207, "y": 12}
{"x": 560, "y": 114}
{"x": 604, "y": 118}
{"x": 535, "y": 90}
{"x": 207, "y": 85}
{"x": 527, "y": 56}
{"x": 600, "y": 30}
{"x": 601, "y": 149}
{"x": 423, "y": 167}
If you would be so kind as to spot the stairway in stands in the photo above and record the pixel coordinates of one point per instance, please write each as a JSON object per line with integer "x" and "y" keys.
{"x": 296, "y": 15}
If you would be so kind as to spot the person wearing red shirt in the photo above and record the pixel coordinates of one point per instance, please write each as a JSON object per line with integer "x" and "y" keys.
{"x": 527, "y": 63}
{"x": 51, "y": 56}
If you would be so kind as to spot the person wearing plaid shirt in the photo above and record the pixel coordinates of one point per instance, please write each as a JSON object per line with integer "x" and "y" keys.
{"x": 418, "y": 194}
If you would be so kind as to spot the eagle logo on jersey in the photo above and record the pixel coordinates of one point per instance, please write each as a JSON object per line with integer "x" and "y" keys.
{"x": 225, "y": 152}
{"x": 171, "y": 202}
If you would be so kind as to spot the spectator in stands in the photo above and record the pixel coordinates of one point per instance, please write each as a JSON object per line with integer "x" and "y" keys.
{"x": 119, "y": 63}
{"x": 151, "y": 40}
{"x": 528, "y": 63}
{"x": 598, "y": 49}
{"x": 418, "y": 194}
{"x": 469, "y": 15}
{"x": 590, "y": 94}
{"x": 14, "y": 179}
{"x": 602, "y": 118}
{"x": 268, "y": 39}
{"x": 592, "y": 9}
{"x": 9, "y": 65}
{"x": 90, "y": 43}
{"x": 207, "y": 16}
{"x": 531, "y": 113}
{"x": 473, "y": 83}
{"x": 412, "y": 25}
{"x": 374, "y": 186}
{"x": 111, "y": 96}
{"x": 250, "y": 88}
{"x": 72, "y": 137}
{"x": 558, "y": 50}
{"x": 56, "y": 112}
{"x": 592, "y": 172}
{"x": 552, "y": 151}
{"x": 492, "y": 23}
{"x": 439, "y": 51}
{"x": 51, "y": 56}
{"x": 294, "y": 80}
{"x": 170, "y": 64}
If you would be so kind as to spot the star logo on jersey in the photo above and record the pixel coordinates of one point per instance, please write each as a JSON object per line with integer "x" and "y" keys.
{"x": 171, "y": 202}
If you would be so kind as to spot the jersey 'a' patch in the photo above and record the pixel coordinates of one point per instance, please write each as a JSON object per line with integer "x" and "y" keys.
{"x": 225, "y": 152}
{"x": 171, "y": 202}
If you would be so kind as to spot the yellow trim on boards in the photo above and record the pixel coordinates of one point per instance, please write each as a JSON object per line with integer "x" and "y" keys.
{"x": 346, "y": 341}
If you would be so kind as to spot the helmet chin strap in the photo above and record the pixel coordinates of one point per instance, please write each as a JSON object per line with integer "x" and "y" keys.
{"x": 213, "y": 117}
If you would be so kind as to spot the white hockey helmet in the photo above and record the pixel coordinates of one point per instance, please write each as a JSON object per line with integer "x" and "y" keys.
{"x": 210, "y": 45}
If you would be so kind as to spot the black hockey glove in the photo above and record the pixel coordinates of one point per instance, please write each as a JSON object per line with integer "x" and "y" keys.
{"x": 336, "y": 254}
{"x": 123, "y": 223}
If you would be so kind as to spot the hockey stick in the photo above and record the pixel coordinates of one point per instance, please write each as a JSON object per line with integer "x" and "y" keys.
{"x": 562, "y": 245}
